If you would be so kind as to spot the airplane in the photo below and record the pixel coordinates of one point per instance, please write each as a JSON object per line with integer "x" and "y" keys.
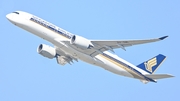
{"x": 69, "y": 48}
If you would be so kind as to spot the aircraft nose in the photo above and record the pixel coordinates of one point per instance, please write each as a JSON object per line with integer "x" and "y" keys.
{"x": 9, "y": 17}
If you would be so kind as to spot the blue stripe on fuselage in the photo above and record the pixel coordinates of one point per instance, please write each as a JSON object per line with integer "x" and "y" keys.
{"x": 50, "y": 27}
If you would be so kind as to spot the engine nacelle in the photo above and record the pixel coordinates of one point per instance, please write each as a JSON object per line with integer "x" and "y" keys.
{"x": 46, "y": 51}
{"x": 81, "y": 42}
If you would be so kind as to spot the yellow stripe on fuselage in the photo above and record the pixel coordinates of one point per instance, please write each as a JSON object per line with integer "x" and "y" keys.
{"x": 135, "y": 74}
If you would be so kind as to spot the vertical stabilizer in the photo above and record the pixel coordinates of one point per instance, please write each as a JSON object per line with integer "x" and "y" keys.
{"x": 151, "y": 65}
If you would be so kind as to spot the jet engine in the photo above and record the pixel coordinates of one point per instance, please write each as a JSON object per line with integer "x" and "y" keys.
{"x": 46, "y": 51}
{"x": 81, "y": 42}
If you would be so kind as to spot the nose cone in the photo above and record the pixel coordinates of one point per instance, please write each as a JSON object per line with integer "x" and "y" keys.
{"x": 9, "y": 17}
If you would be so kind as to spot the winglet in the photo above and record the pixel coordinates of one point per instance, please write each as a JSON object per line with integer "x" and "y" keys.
{"x": 162, "y": 38}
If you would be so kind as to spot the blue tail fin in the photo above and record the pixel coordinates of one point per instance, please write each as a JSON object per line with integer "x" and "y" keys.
{"x": 151, "y": 65}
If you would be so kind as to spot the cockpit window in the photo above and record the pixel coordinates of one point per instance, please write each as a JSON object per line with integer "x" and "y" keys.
{"x": 16, "y": 12}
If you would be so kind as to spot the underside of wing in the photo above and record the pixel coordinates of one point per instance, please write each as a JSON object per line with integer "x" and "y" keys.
{"x": 62, "y": 58}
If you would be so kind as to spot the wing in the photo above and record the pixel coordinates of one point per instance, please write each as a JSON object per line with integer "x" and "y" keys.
{"x": 124, "y": 43}
{"x": 104, "y": 45}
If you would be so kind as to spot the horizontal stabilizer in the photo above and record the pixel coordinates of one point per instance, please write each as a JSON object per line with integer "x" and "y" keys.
{"x": 158, "y": 76}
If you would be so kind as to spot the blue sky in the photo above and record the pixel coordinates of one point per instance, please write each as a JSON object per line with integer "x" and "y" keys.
{"x": 27, "y": 76}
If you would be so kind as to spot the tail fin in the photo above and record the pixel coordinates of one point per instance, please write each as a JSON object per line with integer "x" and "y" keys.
{"x": 151, "y": 65}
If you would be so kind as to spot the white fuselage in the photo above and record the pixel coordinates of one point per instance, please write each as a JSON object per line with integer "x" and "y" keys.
{"x": 107, "y": 60}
